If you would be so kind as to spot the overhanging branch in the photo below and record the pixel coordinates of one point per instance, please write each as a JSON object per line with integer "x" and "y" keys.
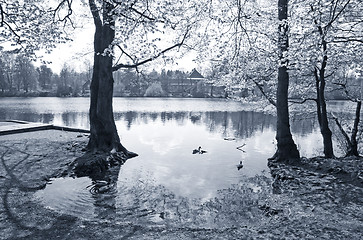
{"x": 346, "y": 39}
{"x": 67, "y": 4}
{"x": 136, "y": 64}
{"x": 303, "y": 100}
{"x": 260, "y": 87}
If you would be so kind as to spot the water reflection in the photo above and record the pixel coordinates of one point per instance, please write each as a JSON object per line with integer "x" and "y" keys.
{"x": 145, "y": 203}
{"x": 213, "y": 113}
{"x": 228, "y": 118}
{"x": 167, "y": 183}
{"x": 241, "y": 124}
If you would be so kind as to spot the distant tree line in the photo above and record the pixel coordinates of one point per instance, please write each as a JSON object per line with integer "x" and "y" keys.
{"x": 19, "y": 77}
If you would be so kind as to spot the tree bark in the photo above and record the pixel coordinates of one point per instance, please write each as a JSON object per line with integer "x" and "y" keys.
{"x": 324, "y": 126}
{"x": 353, "y": 151}
{"x": 104, "y": 136}
{"x": 286, "y": 148}
{"x": 322, "y": 112}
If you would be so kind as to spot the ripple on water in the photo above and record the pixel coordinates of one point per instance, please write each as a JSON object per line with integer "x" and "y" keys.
{"x": 69, "y": 195}
{"x": 148, "y": 203}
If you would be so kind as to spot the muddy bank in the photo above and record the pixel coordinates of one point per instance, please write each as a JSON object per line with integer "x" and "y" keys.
{"x": 318, "y": 199}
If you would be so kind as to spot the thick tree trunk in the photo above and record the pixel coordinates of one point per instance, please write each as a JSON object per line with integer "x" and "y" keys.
{"x": 286, "y": 148}
{"x": 104, "y": 136}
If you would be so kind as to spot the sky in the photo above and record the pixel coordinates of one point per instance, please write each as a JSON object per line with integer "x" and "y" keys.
{"x": 75, "y": 54}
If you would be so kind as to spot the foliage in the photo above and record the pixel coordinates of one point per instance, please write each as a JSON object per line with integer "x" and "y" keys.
{"x": 324, "y": 35}
{"x": 44, "y": 77}
{"x": 341, "y": 24}
{"x": 155, "y": 90}
{"x": 27, "y": 26}
{"x": 242, "y": 47}
{"x": 24, "y": 73}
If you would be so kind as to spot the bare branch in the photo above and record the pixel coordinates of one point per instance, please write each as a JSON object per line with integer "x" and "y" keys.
{"x": 67, "y": 4}
{"x": 5, "y": 23}
{"x": 260, "y": 87}
{"x": 346, "y": 39}
{"x": 142, "y": 14}
{"x": 18, "y": 41}
{"x": 136, "y": 64}
{"x": 338, "y": 14}
{"x": 303, "y": 100}
{"x": 124, "y": 52}
{"x": 342, "y": 129}
{"x": 345, "y": 89}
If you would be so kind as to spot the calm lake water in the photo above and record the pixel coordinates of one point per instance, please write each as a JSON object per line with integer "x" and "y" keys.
{"x": 164, "y": 133}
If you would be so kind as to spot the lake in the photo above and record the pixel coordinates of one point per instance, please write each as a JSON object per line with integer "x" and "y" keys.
{"x": 164, "y": 132}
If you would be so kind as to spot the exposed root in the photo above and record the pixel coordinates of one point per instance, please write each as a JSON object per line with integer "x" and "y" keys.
{"x": 96, "y": 165}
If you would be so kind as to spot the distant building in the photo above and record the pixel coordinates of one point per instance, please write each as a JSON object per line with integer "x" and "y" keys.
{"x": 195, "y": 85}
{"x": 196, "y": 76}
{"x": 185, "y": 87}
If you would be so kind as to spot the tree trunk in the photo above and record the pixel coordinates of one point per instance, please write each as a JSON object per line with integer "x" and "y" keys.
{"x": 286, "y": 148}
{"x": 104, "y": 136}
{"x": 322, "y": 112}
{"x": 317, "y": 87}
{"x": 324, "y": 126}
{"x": 353, "y": 151}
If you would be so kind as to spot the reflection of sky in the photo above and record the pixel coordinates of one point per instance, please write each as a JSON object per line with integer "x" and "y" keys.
{"x": 165, "y": 156}
{"x": 164, "y": 136}
{"x": 68, "y": 195}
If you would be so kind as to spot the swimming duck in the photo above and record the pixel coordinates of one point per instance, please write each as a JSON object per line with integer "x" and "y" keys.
{"x": 195, "y": 151}
{"x": 240, "y": 165}
{"x": 199, "y": 150}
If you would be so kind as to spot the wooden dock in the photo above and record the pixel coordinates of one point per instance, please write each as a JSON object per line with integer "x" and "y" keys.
{"x": 16, "y": 126}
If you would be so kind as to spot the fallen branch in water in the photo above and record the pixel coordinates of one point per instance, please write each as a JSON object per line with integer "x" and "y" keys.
{"x": 240, "y": 147}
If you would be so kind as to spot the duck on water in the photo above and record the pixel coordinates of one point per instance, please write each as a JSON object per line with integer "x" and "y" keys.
{"x": 199, "y": 150}
{"x": 240, "y": 165}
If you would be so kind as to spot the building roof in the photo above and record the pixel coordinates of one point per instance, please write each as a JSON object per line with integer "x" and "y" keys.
{"x": 195, "y": 74}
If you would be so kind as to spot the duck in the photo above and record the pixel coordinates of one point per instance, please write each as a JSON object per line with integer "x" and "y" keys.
{"x": 202, "y": 151}
{"x": 195, "y": 151}
{"x": 240, "y": 165}
{"x": 199, "y": 150}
